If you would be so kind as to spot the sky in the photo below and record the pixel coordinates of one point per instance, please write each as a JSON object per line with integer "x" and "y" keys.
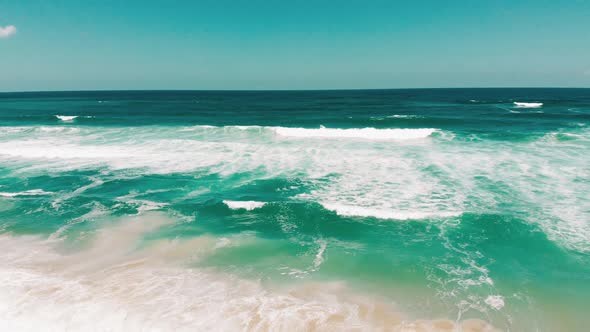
{"x": 255, "y": 44}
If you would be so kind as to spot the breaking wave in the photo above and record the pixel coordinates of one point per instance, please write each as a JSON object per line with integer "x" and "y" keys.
{"x": 330, "y": 133}
{"x": 247, "y": 205}
{"x": 66, "y": 118}
{"x": 527, "y": 105}
{"x": 360, "y": 211}
{"x": 362, "y": 133}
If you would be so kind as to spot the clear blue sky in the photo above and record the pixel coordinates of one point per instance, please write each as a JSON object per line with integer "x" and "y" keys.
{"x": 255, "y": 44}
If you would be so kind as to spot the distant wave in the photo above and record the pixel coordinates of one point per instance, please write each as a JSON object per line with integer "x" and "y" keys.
{"x": 322, "y": 132}
{"x": 396, "y": 116}
{"x": 223, "y": 128}
{"x": 66, "y": 118}
{"x": 247, "y": 205}
{"x": 403, "y": 116}
{"x": 358, "y": 211}
{"x": 32, "y": 192}
{"x": 527, "y": 105}
{"x": 364, "y": 133}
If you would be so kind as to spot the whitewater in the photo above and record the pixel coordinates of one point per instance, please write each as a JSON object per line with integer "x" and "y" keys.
{"x": 351, "y": 210}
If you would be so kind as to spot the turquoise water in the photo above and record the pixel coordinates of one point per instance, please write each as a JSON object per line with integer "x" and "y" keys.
{"x": 459, "y": 209}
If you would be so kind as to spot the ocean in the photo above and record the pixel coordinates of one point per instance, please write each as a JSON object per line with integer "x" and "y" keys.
{"x": 364, "y": 210}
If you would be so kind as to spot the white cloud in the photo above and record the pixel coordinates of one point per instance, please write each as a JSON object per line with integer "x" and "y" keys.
{"x": 7, "y": 31}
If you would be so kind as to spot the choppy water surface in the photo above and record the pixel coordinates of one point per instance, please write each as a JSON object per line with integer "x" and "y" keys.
{"x": 373, "y": 210}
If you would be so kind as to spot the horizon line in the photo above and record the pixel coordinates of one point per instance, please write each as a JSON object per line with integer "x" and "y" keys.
{"x": 293, "y": 90}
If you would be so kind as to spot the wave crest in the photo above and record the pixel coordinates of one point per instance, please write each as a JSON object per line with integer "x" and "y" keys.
{"x": 359, "y": 211}
{"x": 362, "y": 133}
{"x": 66, "y": 118}
{"x": 247, "y": 205}
{"x": 527, "y": 105}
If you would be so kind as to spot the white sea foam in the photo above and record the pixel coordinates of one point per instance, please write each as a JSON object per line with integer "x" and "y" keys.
{"x": 205, "y": 127}
{"x": 319, "y": 257}
{"x": 200, "y": 127}
{"x": 146, "y": 205}
{"x": 368, "y": 178}
{"x": 396, "y": 116}
{"x": 56, "y": 129}
{"x": 527, "y": 105}
{"x": 39, "y": 129}
{"x": 495, "y": 301}
{"x": 64, "y": 197}
{"x": 360, "y": 211}
{"x": 66, "y": 118}
{"x": 44, "y": 287}
{"x": 247, "y": 205}
{"x": 362, "y": 133}
{"x": 12, "y": 130}
{"x": 323, "y": 132}
{"x": 371, "y": 178}
{"x": 32, "y": 192}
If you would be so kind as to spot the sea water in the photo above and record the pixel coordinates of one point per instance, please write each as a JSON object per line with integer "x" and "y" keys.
{"x": 403, "y": 210}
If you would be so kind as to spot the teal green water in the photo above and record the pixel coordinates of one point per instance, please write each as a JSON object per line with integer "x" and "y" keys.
{"x": 435, "y": 204}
